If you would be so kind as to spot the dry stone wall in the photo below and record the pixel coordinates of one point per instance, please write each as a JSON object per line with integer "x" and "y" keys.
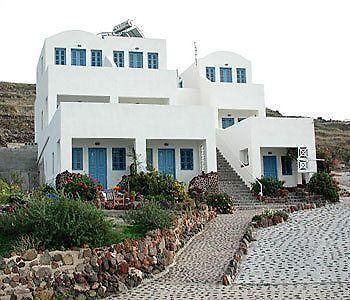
{"x": 96, "y": 273}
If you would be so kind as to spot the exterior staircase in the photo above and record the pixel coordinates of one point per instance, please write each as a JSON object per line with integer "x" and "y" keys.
{"x": 231, "y": 183}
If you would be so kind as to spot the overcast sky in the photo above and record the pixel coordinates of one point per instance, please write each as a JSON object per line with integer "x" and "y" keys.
{"x": 299, "y": 49}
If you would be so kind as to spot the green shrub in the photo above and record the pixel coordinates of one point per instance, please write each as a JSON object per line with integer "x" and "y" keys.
{"x": 270, "y": 214}
{"x": 155, "y": 184}
{"x": 150, "y": 216}
{"x": 323, "y": 184}
{"x": 327, "y": 165}
{"x": 271, "y": 187}
{"x": 78, "y": 186}
{"x": 221, "y": 201}
{"x": 45, "y": 190}
{"x": 58, "y": 223}
{"x": 10, "y": 193}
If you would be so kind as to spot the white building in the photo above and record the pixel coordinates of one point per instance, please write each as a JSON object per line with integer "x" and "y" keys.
{"x": 100, "y": 96}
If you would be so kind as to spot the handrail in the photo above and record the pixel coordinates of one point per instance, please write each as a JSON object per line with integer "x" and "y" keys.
{"x": 256, "y": 179}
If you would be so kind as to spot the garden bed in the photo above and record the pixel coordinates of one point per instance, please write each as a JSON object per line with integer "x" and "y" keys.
{"x": 97, "y": 272}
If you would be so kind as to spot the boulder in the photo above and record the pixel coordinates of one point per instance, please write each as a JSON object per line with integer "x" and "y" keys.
{"x": 30, "y": 254}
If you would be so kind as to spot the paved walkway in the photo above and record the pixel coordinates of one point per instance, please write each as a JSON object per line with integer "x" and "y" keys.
{"x": 305, "y": 258}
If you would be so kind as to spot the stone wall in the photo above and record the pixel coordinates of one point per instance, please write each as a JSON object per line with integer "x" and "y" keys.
{"x": 96, "y": 273}
{"x": 20, "y": 162}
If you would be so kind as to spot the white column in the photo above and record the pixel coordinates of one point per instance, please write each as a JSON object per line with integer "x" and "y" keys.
{"x": 66, "y": 154}
{"x": 255, "y": 161}
{"x": 210, "y": 147}
{"x": 140, "y": 149}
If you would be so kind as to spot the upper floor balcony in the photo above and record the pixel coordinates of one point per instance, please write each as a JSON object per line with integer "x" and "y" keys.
{"x": 228, "y": 95}
{"x": 115, "y": 83}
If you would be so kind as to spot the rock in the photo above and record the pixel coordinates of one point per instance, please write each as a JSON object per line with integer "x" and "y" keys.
{"x": 168, "y": 257}
{"x": 87, "y": 253}
{"x": 105, "y": 264}
{"x": 34, "y": 263}
{"x": 119, "y": 257}
{"x": 91, "y": 277}
{"x": 67, "y": 259}
{"x": 122, "y": 287}
{"x": 81, "y": 297}
{"x": 45, "y": 259}
{"x": 135, "y": 273}
{"x": 43, "y": 272}
{"x": 226, "y": 280}
{"x": 57, "y": 257}
{"x": 152, "y": 251}
{"x": 21, "y": 264}
{"x": 123, "y": 267}
{"x": 6, "y": 280}
{"x": 161, "y": 245}
{"x": 30, "y": 254}
{"x": 81, "y": 287}
{"x": 11, "y": 263}
{"x": 7, "y": 271}
{"x": 95, "y": 286}
{"x": 92, "y": 293}
{"x": 102, "y": 291}
{"x": 79, "y": 278}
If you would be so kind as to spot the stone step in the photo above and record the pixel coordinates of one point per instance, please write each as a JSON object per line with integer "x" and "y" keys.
{"x": 231, "y": 183}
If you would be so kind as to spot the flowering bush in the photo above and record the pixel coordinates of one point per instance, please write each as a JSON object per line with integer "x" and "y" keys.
{"x": 78, "y": 186}
{"x": 222, "y": 202}
{"x": 154, "y": 184}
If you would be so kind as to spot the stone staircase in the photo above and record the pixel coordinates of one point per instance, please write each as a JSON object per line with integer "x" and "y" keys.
{"x": 231, "y": 183}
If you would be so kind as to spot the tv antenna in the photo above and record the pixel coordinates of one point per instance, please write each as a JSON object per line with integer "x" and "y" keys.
{"x": 195, "y": 53}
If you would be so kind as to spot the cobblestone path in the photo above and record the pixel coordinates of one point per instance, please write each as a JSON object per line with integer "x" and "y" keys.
{"x": 305, "y": 258}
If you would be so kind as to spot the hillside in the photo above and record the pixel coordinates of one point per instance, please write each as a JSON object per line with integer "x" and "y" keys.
{"x": 17, "y": 122}
{"x": 331, "y": 135}
{"x": 16, "y": 113}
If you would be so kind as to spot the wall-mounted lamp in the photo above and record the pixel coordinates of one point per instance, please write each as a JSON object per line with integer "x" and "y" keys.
{"x": 166, "y": 144}
{"x": 97, "y": 143}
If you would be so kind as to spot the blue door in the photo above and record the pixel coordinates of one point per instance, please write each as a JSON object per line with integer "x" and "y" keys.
{"x": 270, "y": 166}
{"x": 98, "y": 165}
{"x": 166, "y": 161}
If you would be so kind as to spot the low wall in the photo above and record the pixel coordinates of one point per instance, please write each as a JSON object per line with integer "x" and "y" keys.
{"x": 96, "y": 273}
{"x": 21, "y": 164}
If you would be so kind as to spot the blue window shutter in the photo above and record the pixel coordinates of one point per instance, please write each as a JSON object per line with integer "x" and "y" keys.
{"x": 78, "y": 57}
{"x": 226, "y": 74}
{"x": 118, "y": 57}
{"x": 135, "y": 59}
{"x": 287, "y": 168}
{"x": 60, "y": 56}
{"x": 96, "y": 58}
{"x": 152, "y": 60}
{"x": 118, "y": 159}
{"x": 149, "y": 154}
{"x": 241, "y": 75}
{"x": 186, "y": 159}
{"x": 210, "y": 73}
{"x": 77, "y": 158}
